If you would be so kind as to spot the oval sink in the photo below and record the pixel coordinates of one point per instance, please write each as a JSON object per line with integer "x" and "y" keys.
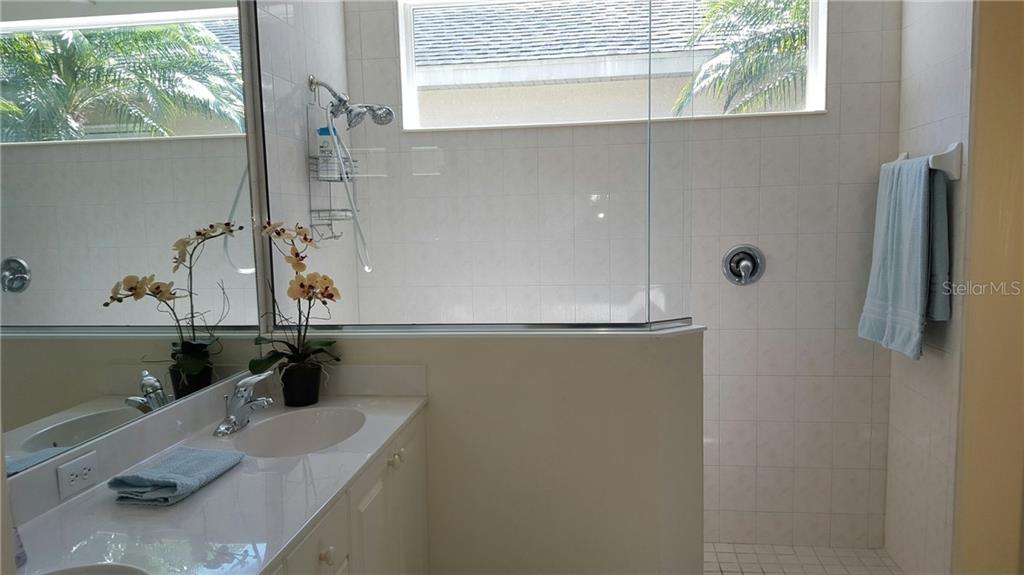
{"x": 299, "y": 432}
{"x": 71, "y": 432}
{"x": 103, "y": 569}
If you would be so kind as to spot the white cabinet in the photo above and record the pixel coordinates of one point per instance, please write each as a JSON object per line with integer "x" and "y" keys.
{"x": 379, "y": 526}
{"x": 389, "y": 519}
{"x": 325, "y": 550}
{"x": 410, "y": 498}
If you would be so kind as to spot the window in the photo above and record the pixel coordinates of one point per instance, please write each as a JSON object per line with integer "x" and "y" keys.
{"x": 152, "y": 74}
{"x": 525, "y": 62}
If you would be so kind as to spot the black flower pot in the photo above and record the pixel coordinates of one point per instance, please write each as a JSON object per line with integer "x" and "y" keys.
{"x": 184, "y": 384}
{"x": 301, "y": 384}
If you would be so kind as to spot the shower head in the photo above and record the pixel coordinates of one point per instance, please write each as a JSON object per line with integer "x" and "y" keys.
{"x": 381, "y": 115}
{"x": 354, "y": 114}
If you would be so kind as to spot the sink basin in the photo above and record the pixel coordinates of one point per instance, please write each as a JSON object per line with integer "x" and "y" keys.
{"x": 299, "y": 432}
{"x": 104, "y": 569}
{"x": 71, "y": 432}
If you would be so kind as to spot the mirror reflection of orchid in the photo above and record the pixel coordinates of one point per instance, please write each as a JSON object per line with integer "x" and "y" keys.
{"x": 307, "y": 290}
{"x": 191, "y": 367}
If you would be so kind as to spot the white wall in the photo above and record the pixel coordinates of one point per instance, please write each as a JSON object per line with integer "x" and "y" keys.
{"x": 298, "y": 39}
{"x": 796, "y": 405}
{"x": 540, "y": 460}
{"x": 934, "y": 112}
{"x": 85, "y": 214}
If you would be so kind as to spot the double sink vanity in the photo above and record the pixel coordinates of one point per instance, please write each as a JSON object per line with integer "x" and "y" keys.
{"x": 335, "y": 488}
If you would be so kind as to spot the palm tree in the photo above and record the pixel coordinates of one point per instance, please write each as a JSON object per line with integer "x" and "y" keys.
{"x": 53, "y": 85}
{"x": 761, "y": 64}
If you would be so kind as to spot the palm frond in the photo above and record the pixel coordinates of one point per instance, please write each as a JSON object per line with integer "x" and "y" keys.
{"x": 142, "y": 79}
{"x": 761, "y": 64}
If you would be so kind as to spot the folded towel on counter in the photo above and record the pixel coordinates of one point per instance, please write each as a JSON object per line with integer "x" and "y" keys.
{"x": 173, "y": 478}
{"x": 910, "y": 257}
{"x": 19, "y": 463}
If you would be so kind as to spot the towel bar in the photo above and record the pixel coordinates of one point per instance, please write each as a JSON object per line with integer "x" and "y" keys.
{"x": 948, "y": 161}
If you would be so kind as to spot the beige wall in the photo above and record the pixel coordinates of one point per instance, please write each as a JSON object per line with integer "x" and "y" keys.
{"x": 559, "y": 455}
{"x": 990, "y": 465}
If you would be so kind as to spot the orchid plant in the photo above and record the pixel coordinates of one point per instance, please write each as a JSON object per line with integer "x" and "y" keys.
{"x": 307, "y": 290}
{"x": 191, "y": 352}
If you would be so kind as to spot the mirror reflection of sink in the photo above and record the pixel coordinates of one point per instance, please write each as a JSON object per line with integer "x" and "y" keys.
{"x": 103, "y": 569}
{"x": 299, "y": 432}
{"x": 78, "y": 429}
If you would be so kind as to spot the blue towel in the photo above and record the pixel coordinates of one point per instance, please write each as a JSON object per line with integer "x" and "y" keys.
{"x": 17, "y": 464}
{"x": 910, "y": 257}
{"x": 174, "y": 478}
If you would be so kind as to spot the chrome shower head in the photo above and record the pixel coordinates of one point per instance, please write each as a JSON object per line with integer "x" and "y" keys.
{"x": 381, "y": 115}
{"x": 354, "y": 114}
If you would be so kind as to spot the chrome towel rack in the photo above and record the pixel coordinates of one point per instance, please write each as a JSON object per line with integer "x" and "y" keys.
{"x": 949, "y": 161}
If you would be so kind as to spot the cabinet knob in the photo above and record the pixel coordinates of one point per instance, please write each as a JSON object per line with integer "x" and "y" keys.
{"x": 395, "y": 460}
{"x": 401, "y": 455}
{"x": 327, "y": 556}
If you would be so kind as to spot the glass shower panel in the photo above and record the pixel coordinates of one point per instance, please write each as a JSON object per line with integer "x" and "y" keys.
{"x": 512, "y": 187}
{"x": 521, "y": 179}
{"x": 673, "y": 61}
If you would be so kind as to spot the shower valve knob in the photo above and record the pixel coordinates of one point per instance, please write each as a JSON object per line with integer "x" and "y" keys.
{"x": 743, "y": 264}
{"x": 15, "y": 275}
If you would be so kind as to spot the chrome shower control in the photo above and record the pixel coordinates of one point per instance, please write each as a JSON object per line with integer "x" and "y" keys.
{"x": 743, "y": 264}
{"x": 15, "y": 275}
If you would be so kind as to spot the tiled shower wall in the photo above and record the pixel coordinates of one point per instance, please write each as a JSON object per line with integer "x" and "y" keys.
{"x": 296, "y": 40}
{"x": 85, "y": 214}
{"x": 796, "y": 405}
{"x": 935, "y": 112}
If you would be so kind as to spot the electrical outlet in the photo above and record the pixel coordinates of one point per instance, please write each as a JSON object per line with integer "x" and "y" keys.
{"x": 77, "y": 475}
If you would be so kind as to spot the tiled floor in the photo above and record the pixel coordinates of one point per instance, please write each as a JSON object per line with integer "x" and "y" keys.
{"x": 736, "y": 558}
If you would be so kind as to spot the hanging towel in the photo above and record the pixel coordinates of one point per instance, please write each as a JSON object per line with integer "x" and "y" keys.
{"x": 910, "y": 257}
{"x": 174, "y": 478}
{"x": 939, "y": 294}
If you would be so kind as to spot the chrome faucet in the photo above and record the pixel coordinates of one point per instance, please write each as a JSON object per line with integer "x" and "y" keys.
{"x": 153, "y": 396}
{"x": 240, "y": 405}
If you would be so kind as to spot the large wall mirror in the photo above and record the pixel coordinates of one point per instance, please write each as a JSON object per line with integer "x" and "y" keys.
{"x": 125, "y": 204}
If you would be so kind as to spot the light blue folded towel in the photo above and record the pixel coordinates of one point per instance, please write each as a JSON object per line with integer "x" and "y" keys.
{"x": 17, "y": 464}
{"x": 910, "y": 257}
{"x": 174, "y": 478}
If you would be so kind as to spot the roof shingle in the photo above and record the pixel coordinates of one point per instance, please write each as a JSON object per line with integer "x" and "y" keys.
{"x": 549, "y": 29}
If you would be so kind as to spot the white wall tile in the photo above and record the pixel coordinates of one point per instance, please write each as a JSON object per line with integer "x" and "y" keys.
{"x": 813, "y": 488}
{"x": 775, "y": 489}
{"x": 775, "y": 444}
{"x": 737, "y": 488}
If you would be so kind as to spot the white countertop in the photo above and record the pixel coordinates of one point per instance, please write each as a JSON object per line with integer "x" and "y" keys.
{"x": 237, "y": 524}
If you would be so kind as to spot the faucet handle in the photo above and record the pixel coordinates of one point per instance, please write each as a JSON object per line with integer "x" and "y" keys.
{"x": 246, "y": 384}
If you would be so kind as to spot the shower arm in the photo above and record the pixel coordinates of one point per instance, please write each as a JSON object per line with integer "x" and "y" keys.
{"x": 339, "y": 101}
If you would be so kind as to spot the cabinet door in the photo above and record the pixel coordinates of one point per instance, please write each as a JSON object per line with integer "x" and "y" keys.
{"x": 325, "y": 550}
{"x": 374, "y": 548}
{"x": 410, "y": 497}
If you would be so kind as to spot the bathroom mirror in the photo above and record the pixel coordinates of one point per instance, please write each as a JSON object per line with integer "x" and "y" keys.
{"x": 124, "y": 160}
